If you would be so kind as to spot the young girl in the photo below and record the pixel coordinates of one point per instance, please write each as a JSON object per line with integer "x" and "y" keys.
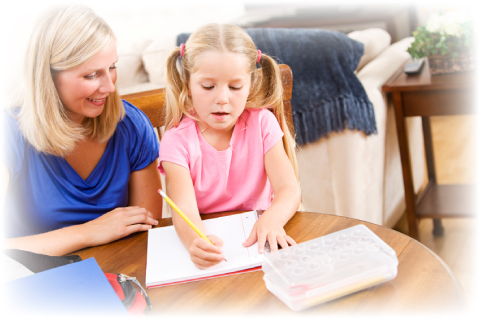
{"x": 223, "y": 150}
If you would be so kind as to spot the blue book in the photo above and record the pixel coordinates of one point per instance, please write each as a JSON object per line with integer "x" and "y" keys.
{"x": 77, "y": 288}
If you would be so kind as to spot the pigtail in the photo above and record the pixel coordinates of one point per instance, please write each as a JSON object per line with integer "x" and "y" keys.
{"x": 266, "y": 90}
{"x": 268, "y": 93}
{"x": 176, "y": 92}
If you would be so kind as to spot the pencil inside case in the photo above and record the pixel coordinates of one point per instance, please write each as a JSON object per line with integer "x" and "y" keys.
{"x": 329, "y": 267}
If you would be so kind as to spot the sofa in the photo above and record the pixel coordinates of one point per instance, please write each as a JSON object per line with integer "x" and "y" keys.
{"x": 347, "y": 173}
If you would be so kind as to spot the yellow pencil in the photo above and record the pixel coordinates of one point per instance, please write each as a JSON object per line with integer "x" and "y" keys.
{"x": 177, "y": 209}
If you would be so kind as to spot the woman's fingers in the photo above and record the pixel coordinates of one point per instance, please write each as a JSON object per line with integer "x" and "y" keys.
{"x": 135, "y": 211}
{"x": 117, "y": 224}
{"x": 136, "y": 228}
{"x": 135, "y": 215}
{"x": 140, "y": 219}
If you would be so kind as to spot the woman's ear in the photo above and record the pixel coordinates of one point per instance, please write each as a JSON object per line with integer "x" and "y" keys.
{"x": 54, "y": 74}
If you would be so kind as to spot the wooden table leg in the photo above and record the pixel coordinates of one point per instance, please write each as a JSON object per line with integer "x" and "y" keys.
{"x": 428, "y": 149}
{"x": 438, "y": 229}
{"x": 409, "y": 194}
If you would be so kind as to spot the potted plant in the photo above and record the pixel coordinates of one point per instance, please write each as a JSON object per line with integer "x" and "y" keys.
{"x": 447, "y": 41}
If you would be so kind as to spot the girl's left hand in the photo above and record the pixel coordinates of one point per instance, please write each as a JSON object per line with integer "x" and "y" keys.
{"x": 266, "y": 230}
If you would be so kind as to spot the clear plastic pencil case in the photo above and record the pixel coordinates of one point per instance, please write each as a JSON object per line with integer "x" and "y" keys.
{"x": 329, "y": 267}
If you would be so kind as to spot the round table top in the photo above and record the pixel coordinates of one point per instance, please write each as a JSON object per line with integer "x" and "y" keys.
{"x": 423, "y": 284}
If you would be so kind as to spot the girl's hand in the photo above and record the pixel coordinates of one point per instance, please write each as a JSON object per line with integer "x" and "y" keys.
{"x": 117, "y": 224}
{"x": 267, "y": 230}
{"x": 204, "y": 254}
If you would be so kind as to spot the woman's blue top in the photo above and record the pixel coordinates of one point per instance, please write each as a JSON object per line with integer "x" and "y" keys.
{"x": 45, "y": 193}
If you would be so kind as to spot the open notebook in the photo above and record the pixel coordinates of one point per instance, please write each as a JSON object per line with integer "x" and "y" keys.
{"x": 168, "y": 262}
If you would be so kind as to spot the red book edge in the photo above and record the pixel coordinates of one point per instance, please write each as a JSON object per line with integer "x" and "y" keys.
{"x": 209, "y": 277}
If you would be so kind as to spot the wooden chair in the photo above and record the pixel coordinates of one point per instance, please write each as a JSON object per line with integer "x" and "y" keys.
{"x": 152, "y": 102}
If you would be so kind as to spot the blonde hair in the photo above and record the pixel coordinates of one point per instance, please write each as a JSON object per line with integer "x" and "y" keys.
{"x": 63, "y": 38}
{"x": 265, "y": 92}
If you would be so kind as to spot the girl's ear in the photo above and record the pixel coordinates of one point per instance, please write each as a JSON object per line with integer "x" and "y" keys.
{"x": 187, "y": 84}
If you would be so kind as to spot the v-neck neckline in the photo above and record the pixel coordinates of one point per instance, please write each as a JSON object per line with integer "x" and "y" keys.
{"x": 233, "y": 138}
{"x": 93, "y": 177}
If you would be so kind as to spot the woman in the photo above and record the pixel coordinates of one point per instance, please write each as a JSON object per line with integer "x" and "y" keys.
{"x": 81, "y": 165}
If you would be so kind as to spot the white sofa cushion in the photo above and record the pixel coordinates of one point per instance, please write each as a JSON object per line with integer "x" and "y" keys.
{"x": 383, "y": 67}
{"x": 130, "y": 70}
{"x": 155, "y": 56}
{"x": 375, "y": 40}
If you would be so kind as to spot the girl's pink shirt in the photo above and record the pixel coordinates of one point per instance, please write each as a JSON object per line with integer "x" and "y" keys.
{"x": 232, "y": 179}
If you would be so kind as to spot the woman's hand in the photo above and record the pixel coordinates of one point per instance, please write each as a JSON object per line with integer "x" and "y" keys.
{"x": 117, "y": 224}
{"x": 204, "y": 254}
{"x": 109, "y": 227}
{"x": 270, "y": 231}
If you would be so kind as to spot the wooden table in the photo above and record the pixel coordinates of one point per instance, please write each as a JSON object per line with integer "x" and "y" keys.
{"x": 428, "y": 95}
{"x": 423, "y": 283}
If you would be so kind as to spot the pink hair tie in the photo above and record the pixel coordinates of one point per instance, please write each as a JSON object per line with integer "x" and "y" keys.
{"x": 182, "y": 48}
{"x": 259, "y": 55}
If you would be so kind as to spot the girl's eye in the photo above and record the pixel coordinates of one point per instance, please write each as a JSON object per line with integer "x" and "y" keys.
{"x": 207, "y": 87}
{"x": 236, "y": 88}
{"x": 113, "y": 67}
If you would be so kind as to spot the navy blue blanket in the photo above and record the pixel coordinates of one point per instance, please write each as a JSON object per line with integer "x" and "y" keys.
{"x": 326, "y": 96}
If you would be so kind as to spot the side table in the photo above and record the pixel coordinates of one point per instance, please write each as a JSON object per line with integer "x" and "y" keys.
{"x": 428, "y": 95}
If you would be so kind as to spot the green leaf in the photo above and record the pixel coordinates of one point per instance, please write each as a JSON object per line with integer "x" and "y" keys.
{"x": 427, "y": 43}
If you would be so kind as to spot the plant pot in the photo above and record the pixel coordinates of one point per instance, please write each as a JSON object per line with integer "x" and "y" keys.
{"x": 439, "y": 64}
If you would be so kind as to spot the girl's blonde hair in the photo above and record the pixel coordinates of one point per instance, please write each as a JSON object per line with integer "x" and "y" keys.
{"x": 265, "y": 92}
{"x": 63, "y": 38}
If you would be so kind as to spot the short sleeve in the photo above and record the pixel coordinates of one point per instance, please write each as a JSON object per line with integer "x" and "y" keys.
{"x": 143, "y": 142}
{"x": 270, "y": 128}
{"x": 173, "y": 149}
{"x": 13, "y": 144}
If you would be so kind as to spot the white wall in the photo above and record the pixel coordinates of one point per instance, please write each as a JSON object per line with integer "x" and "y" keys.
{"x": 142, "y": 18}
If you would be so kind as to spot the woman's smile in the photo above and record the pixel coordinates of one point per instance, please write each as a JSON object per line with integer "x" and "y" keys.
{"x": 97, "y": 102}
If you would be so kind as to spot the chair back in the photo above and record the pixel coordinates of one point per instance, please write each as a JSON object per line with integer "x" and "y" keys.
{"x": 152, "y": 102}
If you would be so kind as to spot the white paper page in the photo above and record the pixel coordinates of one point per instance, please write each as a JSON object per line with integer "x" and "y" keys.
{"x": 168, "y": 261}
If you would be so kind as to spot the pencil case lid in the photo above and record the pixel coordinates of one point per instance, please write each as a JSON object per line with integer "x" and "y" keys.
{"x": 343, "y": 259}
